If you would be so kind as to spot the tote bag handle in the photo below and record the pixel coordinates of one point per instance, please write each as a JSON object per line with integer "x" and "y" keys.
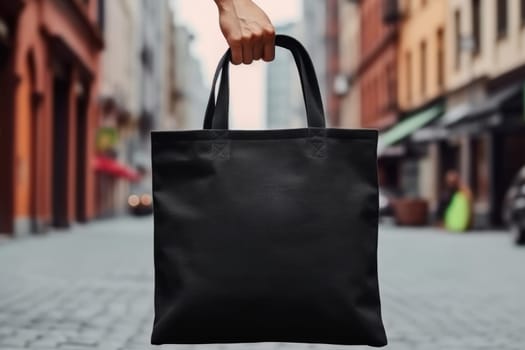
{"x": 217, "y": 111}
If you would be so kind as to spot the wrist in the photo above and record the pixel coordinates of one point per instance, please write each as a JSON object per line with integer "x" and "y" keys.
{"x": 224, "y": 4}
{"x": 229, "y": 4}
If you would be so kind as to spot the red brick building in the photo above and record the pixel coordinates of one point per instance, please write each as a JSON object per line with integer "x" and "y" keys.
{"x": 377, "y": 72}
{"x": 49, "y": 67}
{"x": 332, "y": 49}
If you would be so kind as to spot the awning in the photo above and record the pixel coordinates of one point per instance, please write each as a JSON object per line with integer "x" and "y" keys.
{"x": 408, "y": 126}
{"x": 455, "y": 114}
{"x": 438, "y": 130}
{"x": 491, "y": 105}
{"x": 112, "y": 167}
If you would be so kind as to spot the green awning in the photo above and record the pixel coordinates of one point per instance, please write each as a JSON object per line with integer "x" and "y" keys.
{"x": 408, "y": 126}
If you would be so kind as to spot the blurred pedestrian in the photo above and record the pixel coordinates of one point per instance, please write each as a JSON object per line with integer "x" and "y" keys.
{"x": 455, "y": 206}
{"x": 247, "y": 29}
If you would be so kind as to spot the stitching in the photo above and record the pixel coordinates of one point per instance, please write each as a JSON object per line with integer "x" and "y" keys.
{"x": 221, "y": 150}
{"x": 319, "y": 148}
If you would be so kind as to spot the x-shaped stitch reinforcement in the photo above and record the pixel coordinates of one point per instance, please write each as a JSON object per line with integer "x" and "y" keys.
{"x": 319, "y": 148}
{"x": 220, "y": 150}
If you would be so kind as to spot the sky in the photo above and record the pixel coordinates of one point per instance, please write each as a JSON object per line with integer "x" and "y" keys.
{"x": 247, "y": 82}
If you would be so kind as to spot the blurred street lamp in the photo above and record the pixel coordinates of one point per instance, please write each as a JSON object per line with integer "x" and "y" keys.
{"x": 4, "y": 31}
{"x": 341, "y": 84}
{"x": 467, "y": 43}
{"x": 4, "y": 40}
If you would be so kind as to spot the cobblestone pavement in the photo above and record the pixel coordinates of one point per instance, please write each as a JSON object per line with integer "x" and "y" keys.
{"x": 91, "y": 288}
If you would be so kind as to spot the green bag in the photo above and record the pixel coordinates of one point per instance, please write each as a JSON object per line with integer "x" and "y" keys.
{"x": 457, "y": 215}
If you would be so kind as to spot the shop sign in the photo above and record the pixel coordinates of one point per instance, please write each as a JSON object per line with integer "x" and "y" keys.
{"x": 107, "y": 138}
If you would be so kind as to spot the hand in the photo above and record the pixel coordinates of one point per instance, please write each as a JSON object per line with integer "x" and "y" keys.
{"x": 248, "y": 31}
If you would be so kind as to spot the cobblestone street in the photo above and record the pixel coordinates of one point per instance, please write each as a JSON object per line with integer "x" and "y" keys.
{"x": 92, "y": 289}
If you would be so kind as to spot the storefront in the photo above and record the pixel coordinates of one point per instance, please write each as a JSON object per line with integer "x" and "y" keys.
{"x": 494, "y": 134}
{"x": 398, "y": 153}
{"x": 482, "y": 136}
{"x": 9, "y": 14}
{"x": 49, "y": 80}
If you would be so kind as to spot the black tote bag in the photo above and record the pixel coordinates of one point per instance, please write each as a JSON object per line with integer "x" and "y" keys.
{"x": 266, "y": 235}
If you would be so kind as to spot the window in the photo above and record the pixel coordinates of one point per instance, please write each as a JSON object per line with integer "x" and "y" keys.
{"x": 479, "y": 166}
{"x": 457, "y": 37}
{"x": 522, "y": 12}
{"x": 101, "y": 14}
{"x": 391, "y": 86}
{"x": 476, "y": 26}
{"x": 408, "y": 70}
{"x": 146, "y": 57}
{"x": 440, "y": 59}
{"x": 423, "y": 67}
{"x": 502, "y": 13}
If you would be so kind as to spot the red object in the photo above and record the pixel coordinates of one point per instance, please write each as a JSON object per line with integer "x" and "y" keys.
{"x": 112, "y": 167}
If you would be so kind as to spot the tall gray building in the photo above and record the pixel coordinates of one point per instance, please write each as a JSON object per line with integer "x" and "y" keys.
{"x": 283, "y": 87}
{"x": 285, "y": 104}
{"x": 313, "y": 36}
{"x": 189, "y": 81}
{"x": 152, "y": 72}
{"x": 152, "y": 55}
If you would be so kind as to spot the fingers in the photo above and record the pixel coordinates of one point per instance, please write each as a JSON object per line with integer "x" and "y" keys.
{"x": 268, "y": 40}
{"x": 247, "y": 48}
{"x": 237, "y": 51}
{"x": 254, "y": 44}
{"x": 257, "y": 41}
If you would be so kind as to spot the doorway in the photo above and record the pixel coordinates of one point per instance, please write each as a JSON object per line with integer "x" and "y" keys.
{"x": 81, "y": 155}
{"x": 61, "y": 86}
{"x": 34, "y": 147}
{"x": 508, "y": 159}
{"x": 7, "y": 98}
{"x": 448, "y": 160}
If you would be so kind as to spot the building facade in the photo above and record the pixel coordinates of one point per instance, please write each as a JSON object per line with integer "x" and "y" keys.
{"x": 49, "y": 79}
{"x": 189, "y": 93}
{"x": 461, "y": 68}
{"x": 152, "y": 54}
{"x": 347, "y": 84}
{"x": 369, "y": 74}
{"x": 377, "y": 72}
{"x": 119, "y": 100}
{"x": 421, "y": 84}
{"x": 421, "y": 63}
{"x": 315, "y": 16}
{"x": 331, "y": 42}
{"x": 284, "y": 98}
{"x": 121, "y": 59}
{"x": 151, "y": 74}
{"x": 484, "y": 121}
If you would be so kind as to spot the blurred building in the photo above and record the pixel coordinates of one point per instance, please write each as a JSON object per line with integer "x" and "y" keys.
{"x": 152, "y": 54}
{"x": 377, "y": 72}
{"x": 421, "y": 84}
{"x": 170, "y": 119}
{"x": 346, "y": 83}
{"x": 482, "y": 133}
{"x": 189, "y": 95}
{"x": 152, "y": 73}
{"x": 363, "y": 70}
{"x": 312, "y": 32}
{"x": 331, "y": 49}
{"x": 284, "y": 98}
{"x": 121, "y": 59}
{"x": 119, "y": 99}
{"x": 461, "y": 68}
{"x": 49, "y": 69}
